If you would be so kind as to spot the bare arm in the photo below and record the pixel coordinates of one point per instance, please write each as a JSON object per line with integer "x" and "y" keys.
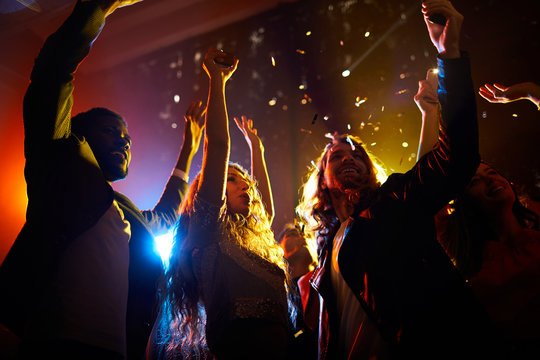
{"x": 258, "y": 164}
{"x": 217, "y": 141}
{"x": 428, "y": 103}
{"x": 193, "y": 130}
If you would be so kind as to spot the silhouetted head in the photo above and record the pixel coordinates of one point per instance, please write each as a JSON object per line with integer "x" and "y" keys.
{"x": 107, "y": 135}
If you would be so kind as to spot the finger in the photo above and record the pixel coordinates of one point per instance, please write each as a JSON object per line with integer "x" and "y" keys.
{"x": 237, "y": 121}
{"x": 492, "y": 89}
{"x": 500, "y": 87}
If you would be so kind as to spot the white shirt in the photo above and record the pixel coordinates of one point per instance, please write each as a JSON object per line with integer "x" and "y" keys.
{"x": 91, "y": 286}
{"x": 358, "y": 337}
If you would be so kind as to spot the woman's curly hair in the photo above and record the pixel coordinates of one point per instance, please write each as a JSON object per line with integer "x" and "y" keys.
{"x": 183, "y": 316}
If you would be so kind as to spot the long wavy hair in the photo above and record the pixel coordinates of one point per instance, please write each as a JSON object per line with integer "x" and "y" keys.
{"x": 181, "y": 307}
{"x": 465, "y": 228}
{"x": 315, "y": 208}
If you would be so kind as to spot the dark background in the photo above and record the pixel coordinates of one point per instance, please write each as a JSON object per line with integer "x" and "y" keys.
{"x": 501, "y": 38}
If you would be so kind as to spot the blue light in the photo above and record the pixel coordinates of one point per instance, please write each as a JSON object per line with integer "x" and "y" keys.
{"x": 164, "y": 246}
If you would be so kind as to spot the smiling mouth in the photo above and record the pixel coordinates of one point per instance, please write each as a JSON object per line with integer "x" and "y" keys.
{"x": 349, "y": 171}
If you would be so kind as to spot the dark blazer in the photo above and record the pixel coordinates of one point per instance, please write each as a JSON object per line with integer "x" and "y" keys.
{"x": 67, "y": 192}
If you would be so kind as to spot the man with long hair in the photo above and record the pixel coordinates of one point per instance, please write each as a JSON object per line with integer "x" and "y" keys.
{"x": 385, "y": 286}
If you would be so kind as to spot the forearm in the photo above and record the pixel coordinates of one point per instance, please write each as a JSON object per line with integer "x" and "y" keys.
{"x": 216, "y": 144}
{"x": 429, "y": 134}
{"x": 260, "y": 173}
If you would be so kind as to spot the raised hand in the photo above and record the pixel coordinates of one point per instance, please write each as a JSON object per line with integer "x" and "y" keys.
{"x": 498, "y": 93}
{"x": 194, "y": 125}
{"x": 426, "y": 97}
{"x": 109, "y": 6}
{"x": 219, "y": 65}
{"x": 246, "y": 127}
{"x": 445, "y": 38}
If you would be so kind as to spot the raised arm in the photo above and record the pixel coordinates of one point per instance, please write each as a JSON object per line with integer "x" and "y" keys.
{"x": 165, "y": 213}
{"x": 441, "y": 174}
{"x": 258, "y": 164}
{"x": 193, "y": 130}
{"x": 428, "y": 103}
{"x": 217, "y": 141}
{"x": 48, "y": 100}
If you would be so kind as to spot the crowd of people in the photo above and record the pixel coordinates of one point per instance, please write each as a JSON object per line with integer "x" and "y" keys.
{"x": 438, "y": 262}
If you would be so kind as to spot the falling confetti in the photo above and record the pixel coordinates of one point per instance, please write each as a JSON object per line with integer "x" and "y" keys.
{"x": 346, "y": 73}
{"x": 300, "y": 51}
{"x": 273, "y": 61}
{"x": 326, "y": 118}
{"x": 405, "y": 144}
{"x": 402, "y": 91}
{"x": 306, "y": 131}
{"x": 359, "y": 101}
{"x": 308, "y": 33}
{"x": 176, "y": 98}
{"x": 353, "y": 148}
{"x": 272, "y": 101}
{"x": 314, "y": 118}
{"x": 367, "y": 34}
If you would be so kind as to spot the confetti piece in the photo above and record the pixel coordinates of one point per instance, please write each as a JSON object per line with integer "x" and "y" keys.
{"x": 273, "y": 61}
{"x": 349, "y": 126}
{"x": 346, "y": 73}
{"x": 405, "y": 144}
{"x": 401, "y": 160}
{"x": 515, "y": 115}
{"x": 176, "y": 98}
{"x": 367, "y": 34}
{"x": 303, "y": 101}
{"x": 341, "y": 42}
{"x": 314, "y": 118}
{"x": 308, "y": 33}
{"x": 272, "y": 101}
{"x": 373, "y": 144}
{"x": 306, "y": 131}
{"x": 402, "y": 91}
{"x": 325, "y": 118}
{"x": 301, "y": 86}
{"x": 353, "y": 148}
{"x": 300, "y": 51}
{"x": 359, "y": 101}
{"x": 307, "y": 97}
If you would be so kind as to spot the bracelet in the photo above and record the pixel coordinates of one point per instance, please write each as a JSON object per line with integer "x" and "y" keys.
{"x": 181, "y": 174}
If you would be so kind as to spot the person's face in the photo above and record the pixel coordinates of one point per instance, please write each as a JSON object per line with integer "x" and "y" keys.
{"x": 238, "y": 198}
{"x": 488, "y": 188}
{"x": 292, "y": 242}
{"x": 345, "y": 166}
{"x": 111, "y": 144}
